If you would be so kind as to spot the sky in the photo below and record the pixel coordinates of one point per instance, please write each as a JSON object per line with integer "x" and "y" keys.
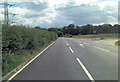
{"x": 60, "y": 13}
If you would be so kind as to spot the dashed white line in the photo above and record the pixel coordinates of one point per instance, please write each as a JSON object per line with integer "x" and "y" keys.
{"x": 71, "y": 49}
{"x": 96, "y": 41}
{"x": 86, "y": 71}
{"x": 84, "y": 68}
{"x": 86, "y": 43}
{"x": 81, "y": 45}
{"x": 67, "y": 44}
{"x": 101, "y": 48}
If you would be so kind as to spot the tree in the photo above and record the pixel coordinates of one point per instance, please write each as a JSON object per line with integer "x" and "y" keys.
{"x": 56, "y": 30}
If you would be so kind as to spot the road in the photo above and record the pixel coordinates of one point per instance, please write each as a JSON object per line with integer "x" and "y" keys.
{"x": 74, "y": 59}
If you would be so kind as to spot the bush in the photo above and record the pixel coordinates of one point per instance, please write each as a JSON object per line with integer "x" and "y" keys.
{"x": 18, "y": 42}
{"x": 117, "y": 43}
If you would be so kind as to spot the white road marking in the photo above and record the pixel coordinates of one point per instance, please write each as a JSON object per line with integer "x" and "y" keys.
{"x": 96, "y": 41}
{"x": 86, "y": 71}
{"x": 101, "y": 48}
{"x": 29, "y": 62}
{"x": 71, "y": 49}
{"x": 86, "y": 43}
{"x": 81, "y": 45}
{"x": 67, "y": 44}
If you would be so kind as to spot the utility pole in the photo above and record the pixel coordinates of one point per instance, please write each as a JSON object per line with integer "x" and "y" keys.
{"x": 6, "y": 12}
{"x": 6, "y": 17}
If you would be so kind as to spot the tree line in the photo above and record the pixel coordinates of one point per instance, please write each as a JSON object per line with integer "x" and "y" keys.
{"x": 86, "y": 29}
{"x": 19, "y": 42}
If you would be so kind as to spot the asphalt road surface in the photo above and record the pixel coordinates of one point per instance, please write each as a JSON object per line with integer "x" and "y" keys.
{"x": 74, "y": 59}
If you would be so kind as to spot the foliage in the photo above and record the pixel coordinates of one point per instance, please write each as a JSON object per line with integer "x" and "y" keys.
{"x": 113, "y": 35}
{"x": 117, "y": 43}
{"x": 18, "y": 42}
{"x": 90, "y": 29}
{"x": 57, "y": 30}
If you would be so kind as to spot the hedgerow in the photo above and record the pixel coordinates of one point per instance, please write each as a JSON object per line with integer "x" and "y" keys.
{"x": 19, "y": 43}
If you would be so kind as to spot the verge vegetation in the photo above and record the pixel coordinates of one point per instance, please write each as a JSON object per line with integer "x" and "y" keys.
{"x": 112, "y": 35}
{"x": 117, "y": 43}
{"x": 20, "y": 43}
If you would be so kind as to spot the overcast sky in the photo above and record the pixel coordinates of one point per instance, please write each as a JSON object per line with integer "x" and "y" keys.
{"x": 59, "y": 13}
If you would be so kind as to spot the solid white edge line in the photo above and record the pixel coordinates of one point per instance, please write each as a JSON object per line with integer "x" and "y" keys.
{"x": 86, "y": 71}
{"x": 29, "y": 62}
{"x": 71, "y": 49}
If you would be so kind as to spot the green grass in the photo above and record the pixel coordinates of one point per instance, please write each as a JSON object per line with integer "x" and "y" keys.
{"x": 20, "y": 43}
{"x": 114, "y": 35}
{"x": 117, "y": 43}
{"x": 12, "y": 61}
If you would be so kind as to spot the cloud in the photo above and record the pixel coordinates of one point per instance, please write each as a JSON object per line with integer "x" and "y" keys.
{"x": 35, "y": 6}
{"x": 91, "y": 13}
{"x": 57, "y": 13}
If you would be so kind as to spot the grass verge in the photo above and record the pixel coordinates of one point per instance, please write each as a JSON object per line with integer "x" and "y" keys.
{"x": 117, "y": 43}
{"x": 17, "y": 60}
{"x": 114, "y": 35}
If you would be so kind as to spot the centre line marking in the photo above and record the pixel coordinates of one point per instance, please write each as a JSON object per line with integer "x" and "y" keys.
{"x": 81, "y": 45}
{"x": 67, "y": 44}
{"x": 101, "y": 48}
{"x": 86, "y": 43}
{"x": 96, "y": 41}
{"x": 71, "y": 50}
{"x": 86, "y": 71}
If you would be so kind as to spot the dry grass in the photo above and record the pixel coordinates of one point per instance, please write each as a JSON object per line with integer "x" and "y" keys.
{"x": 97, "y": 36}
